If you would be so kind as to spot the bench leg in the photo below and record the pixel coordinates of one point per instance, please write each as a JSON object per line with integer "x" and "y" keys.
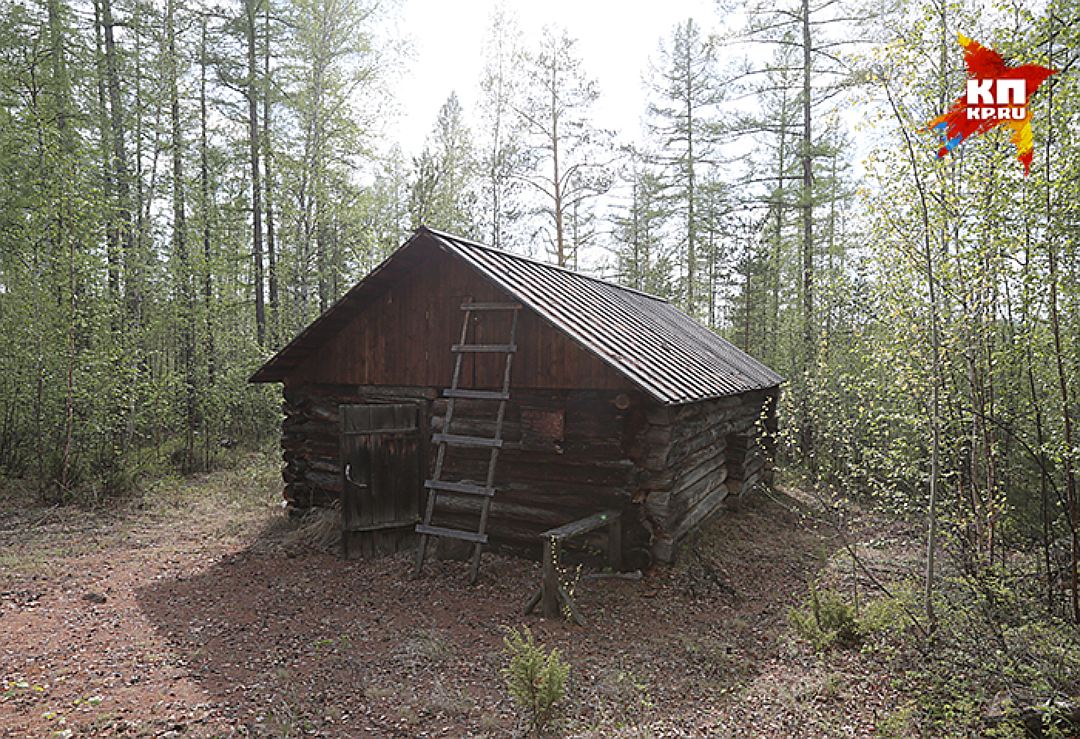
{"x": 614, "y": 544}
{"x": 571, "y": 606}
{"x": 549, "y": 584}
{"x": 534, "y": 600}
{"x": 552, "y": 595}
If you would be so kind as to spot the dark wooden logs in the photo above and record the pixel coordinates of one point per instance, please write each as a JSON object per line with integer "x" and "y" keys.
{"x": 694, "y": 456}
{"x": 310, "y": 437}
{"x": 565, "y": 456}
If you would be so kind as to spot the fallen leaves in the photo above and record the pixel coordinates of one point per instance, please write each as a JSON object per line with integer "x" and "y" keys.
{"x": 173, "y": 628}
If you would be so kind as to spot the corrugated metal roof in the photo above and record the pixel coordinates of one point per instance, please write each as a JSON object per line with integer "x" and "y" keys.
{"x": 646, "y": 339}
{"x": 651, "y": 342}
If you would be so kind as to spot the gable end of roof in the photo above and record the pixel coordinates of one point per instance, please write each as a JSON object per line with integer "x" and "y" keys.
{"x": 641, "y": 336}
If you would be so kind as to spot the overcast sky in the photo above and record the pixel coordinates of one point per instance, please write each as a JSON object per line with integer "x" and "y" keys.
{"x": 615, "y": 39}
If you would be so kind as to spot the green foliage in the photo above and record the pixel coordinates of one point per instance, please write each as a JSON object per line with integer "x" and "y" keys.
{"x": 898, "y": 724}
{"x": 536, "y": 678}
{"x": 682, "y": 121}
{"x": 441, "y": 196}
{"x": 996, "y": 663}
{"x": 826, "y": 620}
{"x": 643, "y": 261}
{"x": 889, "y": 614}
{"x": 126, "y": 303}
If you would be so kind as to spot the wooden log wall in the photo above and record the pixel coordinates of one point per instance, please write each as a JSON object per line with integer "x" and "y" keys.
{"x": 747, "y": 462}
{"x": 567, "y": 454}
{"x": 310, "y": 437}
{"x": 696, "y": 455}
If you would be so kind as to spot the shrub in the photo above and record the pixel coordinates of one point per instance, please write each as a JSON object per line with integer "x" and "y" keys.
{"x": 535, "y": 678}
{"x": 826, "y": 620}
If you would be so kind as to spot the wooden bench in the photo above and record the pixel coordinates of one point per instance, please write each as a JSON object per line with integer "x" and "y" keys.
{"x": 552, "y": 594}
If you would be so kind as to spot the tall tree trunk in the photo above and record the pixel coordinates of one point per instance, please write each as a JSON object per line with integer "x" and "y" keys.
{"x": 141, "y": 211}
{"x": 691, "y": 194}
{"x": 807, "y": 204}
{"x": 204, "y": 212}
{"x": 1068, "y": 458}
{"x": 322, "y": 252}
{"x": 639, "y": 265}
{"x": 778, "y": 243}
{"x": 711, "y": 250}
{"x": 748, "y": 277}
{"x": 251, "y": 11}
{"x": 935, "y": 431}
{"x": 271, "y": 244}
{"x": 63, "y": 239}
{"x": 556, "y": 179}
{"x": 494, "y": 174}
{"x": 179, "y": 239}
{"x": 930, "y": 572}
{"x": 131, "y": 261}
{"x": 112, "y": 234}
{"x": 315, "y": 211}
{"x": 830, "y": 266}
{"x": 207, "y": 254}
{"x": 1036, "y": 401}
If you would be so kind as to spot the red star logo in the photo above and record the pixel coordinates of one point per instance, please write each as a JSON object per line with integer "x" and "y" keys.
{"x": 997, "y": 95}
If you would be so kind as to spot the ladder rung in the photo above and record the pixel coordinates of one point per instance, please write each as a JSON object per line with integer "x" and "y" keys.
{"x": 467, "y": 441}
{"x": 476, "y": 394}
{"x": 485, "y": 348}
{"x": 465, "y": 488}
{"x": 491, "y": 306}
{"x": 451, "y": 533}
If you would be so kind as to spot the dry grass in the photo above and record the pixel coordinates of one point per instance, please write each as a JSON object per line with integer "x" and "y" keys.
{"x": 241, "y": 618}
{"x": 319, "y": 528}
{"x": 226, "y": 504}
{"x": 424, "y": 646}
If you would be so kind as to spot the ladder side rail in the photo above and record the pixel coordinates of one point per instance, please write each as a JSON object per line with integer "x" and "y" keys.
{"x": 494, "y": 458}
{"x": 440, "y": 455}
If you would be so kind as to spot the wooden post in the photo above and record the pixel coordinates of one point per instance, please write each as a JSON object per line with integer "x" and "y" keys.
{"x": 549, "y": 583}
{"x": 614, "y": 544}
{"x": 551, "y": 592}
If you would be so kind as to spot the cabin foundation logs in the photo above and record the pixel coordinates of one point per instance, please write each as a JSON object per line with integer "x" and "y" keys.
{"x": 566, "y": 455}
{"x": 697, "y": 456}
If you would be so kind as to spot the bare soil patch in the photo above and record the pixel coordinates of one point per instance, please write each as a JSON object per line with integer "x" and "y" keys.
{"x": 199, "y": 617}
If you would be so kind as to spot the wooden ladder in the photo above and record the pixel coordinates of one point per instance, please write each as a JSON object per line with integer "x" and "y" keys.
{"x": 437, "y": 485}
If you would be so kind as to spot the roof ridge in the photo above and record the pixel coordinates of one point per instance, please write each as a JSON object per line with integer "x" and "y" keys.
{"x": 469, "y": 242}
{"x": 647, "y": 340}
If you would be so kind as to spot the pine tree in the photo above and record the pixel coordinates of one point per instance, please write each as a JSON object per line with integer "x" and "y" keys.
{"x": 643, "y": 261}
{"x": 565, "y": 151}
{"x": 443, "y": 192}
{"x": 683, "y": 120}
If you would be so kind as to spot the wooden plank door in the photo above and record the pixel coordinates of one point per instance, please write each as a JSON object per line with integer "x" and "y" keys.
{"x": 382, "y": 471}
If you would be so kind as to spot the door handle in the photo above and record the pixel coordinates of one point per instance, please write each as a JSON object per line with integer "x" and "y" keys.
{"x": 349, "y": 479}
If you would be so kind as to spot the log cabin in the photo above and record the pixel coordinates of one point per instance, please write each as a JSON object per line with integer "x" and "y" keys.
{"x": 616, "y": 401}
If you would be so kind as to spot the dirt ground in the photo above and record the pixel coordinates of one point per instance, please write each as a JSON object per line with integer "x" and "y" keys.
{"x": 201, "y": 615}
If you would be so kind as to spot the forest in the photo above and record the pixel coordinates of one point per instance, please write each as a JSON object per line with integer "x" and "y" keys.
{"x": 186, "y": 186}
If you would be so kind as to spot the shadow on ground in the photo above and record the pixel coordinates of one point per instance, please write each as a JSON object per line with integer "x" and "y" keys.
{"x": 285, "y": 642}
